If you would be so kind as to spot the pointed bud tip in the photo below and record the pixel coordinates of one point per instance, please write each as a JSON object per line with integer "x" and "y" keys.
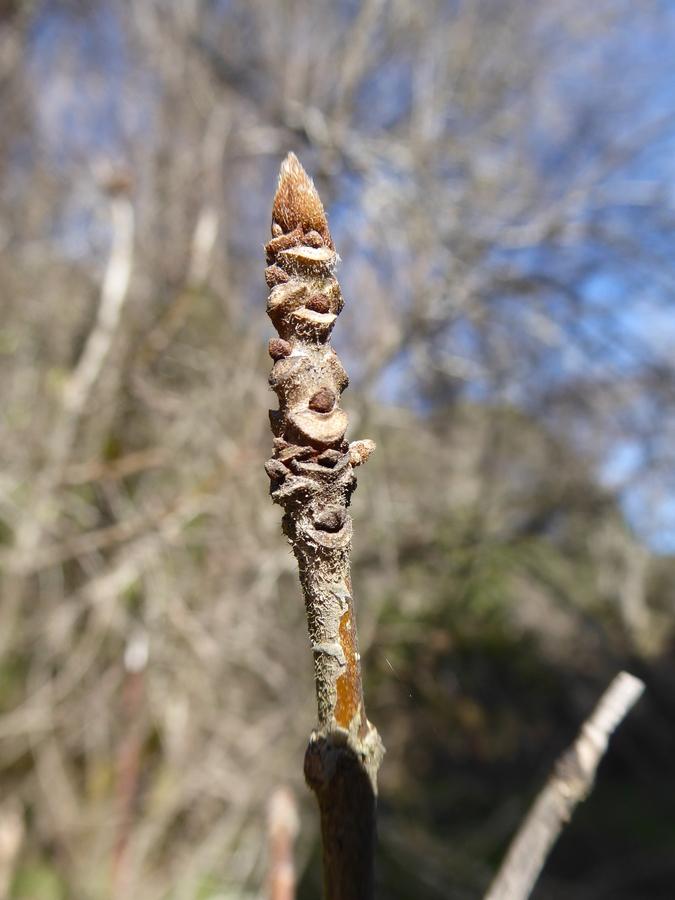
{"x": 297, "y": 203}
{"x": 292, "y": 169}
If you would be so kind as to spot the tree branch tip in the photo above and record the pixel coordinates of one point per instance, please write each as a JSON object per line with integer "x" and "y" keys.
{"x": 297, "y": 208}
{"x": 311, "y": 477}
{"x": 630, "y": 684}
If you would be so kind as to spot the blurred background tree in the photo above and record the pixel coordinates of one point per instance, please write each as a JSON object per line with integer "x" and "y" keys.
{"x": 498, "y": 176}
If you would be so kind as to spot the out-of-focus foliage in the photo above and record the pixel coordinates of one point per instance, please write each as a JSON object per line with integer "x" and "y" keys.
{"x": 498, "y": 182}
{"x": 506, "y": 612}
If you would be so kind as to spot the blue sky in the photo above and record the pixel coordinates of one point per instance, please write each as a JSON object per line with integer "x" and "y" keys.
{"x": 94, "y": 99}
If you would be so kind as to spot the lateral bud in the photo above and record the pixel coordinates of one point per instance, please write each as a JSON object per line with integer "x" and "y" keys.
{"x": 359, "y": 451}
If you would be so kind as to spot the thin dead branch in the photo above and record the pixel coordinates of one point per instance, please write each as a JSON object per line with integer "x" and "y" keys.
{"x": 283, "y": 824}
{"x": 99, "y": 342}
{"x": 570, "y": 783}
{"x": 12, "y": 833}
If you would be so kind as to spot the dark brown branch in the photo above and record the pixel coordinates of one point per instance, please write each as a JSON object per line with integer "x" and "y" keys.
{"x": 311, "y": 474}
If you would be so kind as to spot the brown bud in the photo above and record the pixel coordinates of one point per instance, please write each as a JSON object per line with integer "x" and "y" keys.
{"x": 276, "y": 470}
{"x": 318, "y": 303}
{"x": 274, "y": 275}
{"x": 297, "y": 202}
{"x": 313, "y": 239}
{"x": 278, "y": 349}
{"x": 323, "y": 401}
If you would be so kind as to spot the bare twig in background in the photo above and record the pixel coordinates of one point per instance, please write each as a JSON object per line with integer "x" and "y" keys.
{"x": 571, "y": 783}
{"x": 311, "y": 477}
{"x": 12, "y": 832}
{"x": 30, "y": 528}
{"x": 283, "y": 825}
{"x": 113, "y": 295}
{"x": 128, "y": 761}
{"x": 130, "y": 464}
{"x": 439, "y": 133}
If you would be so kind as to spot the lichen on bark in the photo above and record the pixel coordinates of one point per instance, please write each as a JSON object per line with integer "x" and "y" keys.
{"x": 311, "y": 475}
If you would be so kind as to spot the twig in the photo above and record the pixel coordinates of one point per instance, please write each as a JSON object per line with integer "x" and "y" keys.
{"x": 203, "y": 241}
{"x": 283, "y": 825}
{"x": 12, "y": 834}
{"x": 29, "y": 531}
{"x": 311, "y": 475}
{"x": 113, "y": 295}
{"x": 570, "y": 783}
{"x": 128, "y": 763}
{"x": 131, "y": 464}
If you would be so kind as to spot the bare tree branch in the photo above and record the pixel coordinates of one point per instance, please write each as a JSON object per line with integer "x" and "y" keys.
{"x": 571, "y": 782}
{"x": 113, "y": 295}
{"x": 12, "y": 833}
{"x": 311, "y": 477}
{"x": 283, "y": 824}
